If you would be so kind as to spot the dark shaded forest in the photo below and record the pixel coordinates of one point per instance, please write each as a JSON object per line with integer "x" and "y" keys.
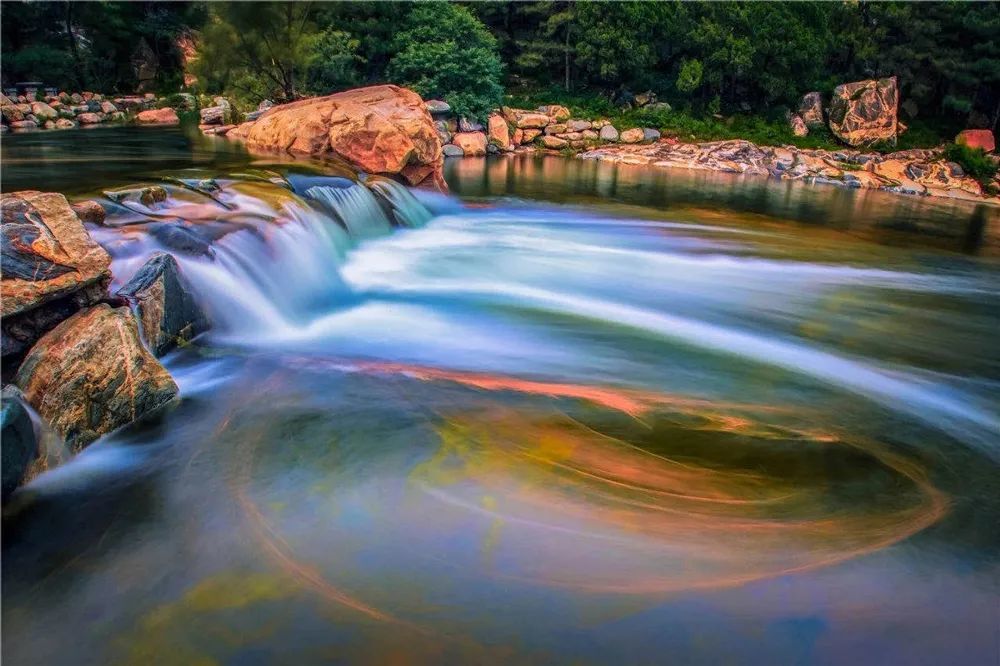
{"x": 725, "y": 57}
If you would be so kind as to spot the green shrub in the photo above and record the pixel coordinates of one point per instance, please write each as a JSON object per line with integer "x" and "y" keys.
{"x": 974, "y": 161}
{"x": 447, "y": 53}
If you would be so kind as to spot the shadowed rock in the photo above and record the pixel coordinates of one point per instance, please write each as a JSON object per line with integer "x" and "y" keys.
{"x": 18, "y": 441}
{"x": 91, "y": 374}
{"x": 166, "y": 308}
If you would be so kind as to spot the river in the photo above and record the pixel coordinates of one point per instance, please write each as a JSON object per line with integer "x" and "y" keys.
{"x": 573, "y": 412}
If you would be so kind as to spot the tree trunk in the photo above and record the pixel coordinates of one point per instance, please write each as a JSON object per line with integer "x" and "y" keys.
{"x": 81, "y": 77}
{"x": 566, "y": 57}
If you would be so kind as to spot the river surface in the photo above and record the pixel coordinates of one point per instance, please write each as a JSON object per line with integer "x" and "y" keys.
{"x": 572, "y": 412}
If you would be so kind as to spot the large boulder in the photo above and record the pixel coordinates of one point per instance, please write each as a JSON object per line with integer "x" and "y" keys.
{"x": 162, "y": 299}
{"x": 91, "y": 374}
{"x": 473, "y": 144}
{"x": 864, "y": 112}
{"x": 798, "y": 125}
{"x": 499, "y": 133}
{"x": 977, "y": 138}
{"x": 811, "y": 110}
{"x": 164, "y": 116}
{"x": 609, "y": 133}
{"x": 43, "y": 111}
{"x": 50, "y": 267}
{"x": 18, "y": 443}
{"x": 381, "y": 129}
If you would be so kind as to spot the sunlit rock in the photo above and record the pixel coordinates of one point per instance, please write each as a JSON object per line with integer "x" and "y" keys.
{"x": 91, "y": 374}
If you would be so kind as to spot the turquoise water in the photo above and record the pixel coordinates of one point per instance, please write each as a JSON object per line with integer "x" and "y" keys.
{"x": 569, "y": 413}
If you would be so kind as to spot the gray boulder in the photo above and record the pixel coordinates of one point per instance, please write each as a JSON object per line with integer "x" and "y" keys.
{"x": 609, "y": 133}
{"x": 162, "y": 299}
{"x": 18, "y": 443}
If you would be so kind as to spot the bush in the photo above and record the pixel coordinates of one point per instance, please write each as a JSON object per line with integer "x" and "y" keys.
{"x": 447, "y": 53}
{"x": 974, "y": 161}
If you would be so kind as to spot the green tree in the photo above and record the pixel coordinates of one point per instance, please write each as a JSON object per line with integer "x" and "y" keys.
{"x": 446, "y": 52}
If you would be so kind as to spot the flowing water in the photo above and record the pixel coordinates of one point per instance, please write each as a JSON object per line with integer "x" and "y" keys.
{"x": 570, "y": 413}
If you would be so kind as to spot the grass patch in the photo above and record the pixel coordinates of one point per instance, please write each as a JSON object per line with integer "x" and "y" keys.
{"x": 974, "y": 161}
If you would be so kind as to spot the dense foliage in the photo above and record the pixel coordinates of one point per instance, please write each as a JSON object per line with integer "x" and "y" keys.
{"x": 444, "y": 52}
{"x": 704, "y": 58}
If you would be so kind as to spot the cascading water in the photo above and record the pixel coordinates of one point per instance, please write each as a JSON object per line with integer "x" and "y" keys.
{"x": 407, "y": 406}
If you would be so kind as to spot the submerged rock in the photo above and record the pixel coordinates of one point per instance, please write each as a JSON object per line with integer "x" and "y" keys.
{"x": 91, "y": 374}
{"x": 162, "y": 298}
{"x": 17, "y": 439}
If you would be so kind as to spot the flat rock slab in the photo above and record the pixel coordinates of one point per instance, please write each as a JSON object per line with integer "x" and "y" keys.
{"x": 91, "y": 374}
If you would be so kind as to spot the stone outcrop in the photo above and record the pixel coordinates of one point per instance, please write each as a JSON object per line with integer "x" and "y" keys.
{"x": 91, "y": 374}
{"x": 381, "y": 129}
{"x": 165, "y": 116}
{"x": 162, "y": 300}
{"x": 19, "y": 449}
{"x": 920, "y": 172}
{"x": 977, "y": 138}
{"x": 50, "y": 266}
{"x": 865, "y": 112}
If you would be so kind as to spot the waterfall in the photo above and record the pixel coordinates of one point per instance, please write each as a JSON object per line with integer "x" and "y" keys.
{"x": 355, "y": 207}
{"x": 407, "y": 210}
{"x": 274, "y": 260}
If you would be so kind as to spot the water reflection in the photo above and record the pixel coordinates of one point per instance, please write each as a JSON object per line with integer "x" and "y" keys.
{"x": 885, "y": 218}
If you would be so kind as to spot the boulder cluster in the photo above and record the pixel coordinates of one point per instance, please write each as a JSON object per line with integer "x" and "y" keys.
{"x": 81, "y": 358}
{"x": 860, "y": 113}
{"x": 509, "y": 130}
{"x": 69, "y": 110}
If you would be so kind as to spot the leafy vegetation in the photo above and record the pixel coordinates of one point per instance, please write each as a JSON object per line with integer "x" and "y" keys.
{"x": 974, "y": 161}
{"x": 738, "y": 59}
{"x": 446, "y": 53}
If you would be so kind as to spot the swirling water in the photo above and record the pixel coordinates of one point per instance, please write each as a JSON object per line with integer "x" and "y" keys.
{"x": 571, "y": 413}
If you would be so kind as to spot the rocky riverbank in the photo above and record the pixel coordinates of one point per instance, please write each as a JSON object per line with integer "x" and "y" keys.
{"x": 921, "y": 172}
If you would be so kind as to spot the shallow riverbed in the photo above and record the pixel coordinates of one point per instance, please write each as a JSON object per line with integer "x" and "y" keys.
{"x": 572, "y": 413}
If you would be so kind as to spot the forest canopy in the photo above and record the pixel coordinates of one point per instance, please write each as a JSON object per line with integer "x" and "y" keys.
{"x": 750, "y": 57}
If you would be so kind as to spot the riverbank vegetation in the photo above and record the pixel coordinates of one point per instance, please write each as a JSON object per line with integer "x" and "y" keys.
{"x": 721, "y": 70}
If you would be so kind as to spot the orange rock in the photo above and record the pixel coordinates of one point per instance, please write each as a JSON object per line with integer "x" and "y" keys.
{"x": 499, "y": 133}
{"x": 380, "y": 129}
{"x": 977, "y": 138}
{"x": 158, "y": 116}
{"x": 518, "y": 137}
{"x": 473, "y": 143}
{"x": 530, "y": 135}
{"x": 47, "y": 252}
{"x": 91, "y": 374}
